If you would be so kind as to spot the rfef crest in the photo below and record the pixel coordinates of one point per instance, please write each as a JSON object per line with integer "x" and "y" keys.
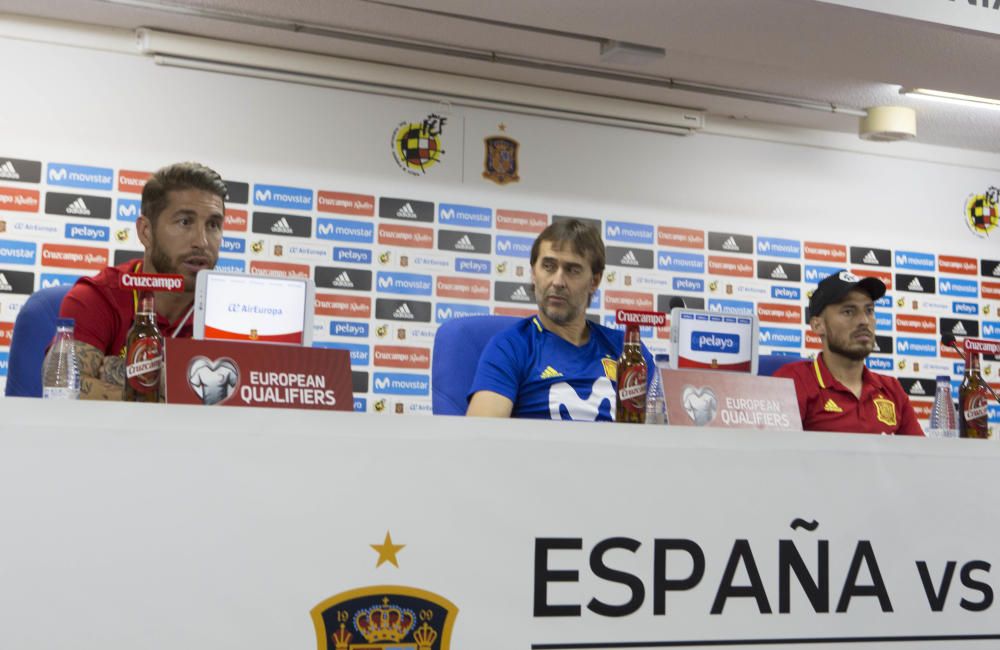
{"x": 501, "y": 160}
{"x": 982, "y": 212}
{"x": 384, "y": 618}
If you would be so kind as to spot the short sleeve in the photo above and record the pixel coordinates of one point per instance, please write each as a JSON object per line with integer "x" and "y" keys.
{"x": 499, "y": 369}
{"x": 94, "y": 316}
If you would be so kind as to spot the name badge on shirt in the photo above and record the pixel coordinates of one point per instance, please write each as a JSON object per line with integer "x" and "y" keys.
{"x": 885, "y": 411}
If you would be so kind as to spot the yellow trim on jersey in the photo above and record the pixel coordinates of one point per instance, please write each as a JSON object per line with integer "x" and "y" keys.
{"x": 534, "y": 319}
{"x": 135, "y": 292}
{"x": 819, "y": 375}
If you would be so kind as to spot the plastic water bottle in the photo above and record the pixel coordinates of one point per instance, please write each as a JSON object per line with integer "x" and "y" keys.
{"x": 60, "y": 370}
{"x": 944, "y": 418}
{"x": 656, "y": 404}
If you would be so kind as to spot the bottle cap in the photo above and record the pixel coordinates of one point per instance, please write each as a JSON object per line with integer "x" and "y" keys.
{"x": 65, "y": 322}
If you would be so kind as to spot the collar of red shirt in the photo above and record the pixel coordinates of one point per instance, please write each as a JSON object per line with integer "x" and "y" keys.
{"x": 870, "y": 382}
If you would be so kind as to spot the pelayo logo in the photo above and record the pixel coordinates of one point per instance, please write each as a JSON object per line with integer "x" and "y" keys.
{"x": 982, "y": 212}
{"x": 87, "y": 232}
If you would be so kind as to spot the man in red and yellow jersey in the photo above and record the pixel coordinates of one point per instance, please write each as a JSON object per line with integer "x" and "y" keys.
{"x": 180, "y": 226}
{"x": 836, "y": 391}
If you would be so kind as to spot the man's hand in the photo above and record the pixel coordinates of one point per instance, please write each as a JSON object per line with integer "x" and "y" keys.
{"x": 100, "y": 377}
{"x": 486, "y": 403}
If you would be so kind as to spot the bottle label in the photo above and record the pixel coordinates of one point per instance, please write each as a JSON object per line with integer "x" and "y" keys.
{"x": 60, "y": 393}
{"x": 632, "y": 388}
{"x": 143, "y": 365}
{"x": 976, "y": 407}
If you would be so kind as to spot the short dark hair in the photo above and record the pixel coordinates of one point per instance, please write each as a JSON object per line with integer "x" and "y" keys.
{"x": 179, "y": 176}
{"x": 585, "y": 240}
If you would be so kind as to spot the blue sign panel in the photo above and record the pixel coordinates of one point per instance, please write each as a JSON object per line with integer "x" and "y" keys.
{"x": 452, "y": 214}
{"x": 279, "y": 196}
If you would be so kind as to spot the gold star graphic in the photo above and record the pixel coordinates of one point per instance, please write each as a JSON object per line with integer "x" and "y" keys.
{"x": 387, "y": 551}
{"x": 502, "y": 126}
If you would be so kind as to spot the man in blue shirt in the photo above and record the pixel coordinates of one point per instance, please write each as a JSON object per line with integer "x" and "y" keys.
{"x": 556, "y": 364}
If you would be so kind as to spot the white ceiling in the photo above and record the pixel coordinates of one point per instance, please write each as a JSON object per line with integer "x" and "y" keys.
{"x": 801, "y": 48}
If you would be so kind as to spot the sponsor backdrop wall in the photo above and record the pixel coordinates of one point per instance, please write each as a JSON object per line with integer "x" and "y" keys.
{"x": 407, "y": 214}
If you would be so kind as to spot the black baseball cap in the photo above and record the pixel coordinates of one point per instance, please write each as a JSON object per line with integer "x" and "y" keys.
{"x": 834, "y": 287}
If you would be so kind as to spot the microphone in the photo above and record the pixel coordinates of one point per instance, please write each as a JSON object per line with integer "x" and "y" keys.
{"x": 675, "y": 302}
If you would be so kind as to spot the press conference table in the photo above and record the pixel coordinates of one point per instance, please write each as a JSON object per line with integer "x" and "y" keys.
{"x": 152, "y": 526}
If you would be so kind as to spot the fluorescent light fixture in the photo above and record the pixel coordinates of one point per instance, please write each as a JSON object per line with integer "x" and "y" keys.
{"x": 951, "y": 98}
{"x": 634, "y": 54}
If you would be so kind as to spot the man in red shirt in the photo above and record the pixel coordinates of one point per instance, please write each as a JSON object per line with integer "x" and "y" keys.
{"x": 836, "y": 391}
{"x": 180, "y": 226}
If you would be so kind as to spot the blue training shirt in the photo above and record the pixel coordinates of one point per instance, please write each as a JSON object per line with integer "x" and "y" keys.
{"x": 548, "y": 377}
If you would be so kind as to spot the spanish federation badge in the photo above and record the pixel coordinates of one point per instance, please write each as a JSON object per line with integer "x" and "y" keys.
{"x": 384, "y": 618}
{"x": 500, "y": 165}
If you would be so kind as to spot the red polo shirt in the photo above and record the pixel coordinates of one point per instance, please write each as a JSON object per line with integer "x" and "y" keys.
{"x": 827, "y": 405}
{"x": 104, "y": 312}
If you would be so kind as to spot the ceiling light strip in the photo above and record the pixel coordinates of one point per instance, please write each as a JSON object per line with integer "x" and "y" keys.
{"x": 951, "y": 98}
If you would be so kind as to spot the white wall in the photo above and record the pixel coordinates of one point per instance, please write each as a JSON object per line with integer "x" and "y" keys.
{"x": 108, "y": 109}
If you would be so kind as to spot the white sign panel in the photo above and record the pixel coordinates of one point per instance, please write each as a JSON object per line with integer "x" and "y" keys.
{"x": 978, "y": 15}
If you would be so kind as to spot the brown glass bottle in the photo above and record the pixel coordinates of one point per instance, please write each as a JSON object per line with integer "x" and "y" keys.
{"x": 144, "y": 355}
{"x": 631, "y": 375}
{"x": 973, "y": 416}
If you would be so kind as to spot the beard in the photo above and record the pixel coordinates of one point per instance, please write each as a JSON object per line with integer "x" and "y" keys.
{"x": 853, "y": 353}
{"x": 164, "y": 264}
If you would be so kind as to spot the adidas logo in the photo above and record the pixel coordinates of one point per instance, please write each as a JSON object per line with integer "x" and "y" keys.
{"x": 831, "y": 407}
{"x": 78, "y": 207}
{"x": 343, "y": 280}
{"x": 730, "y": 245}
{"x": 918, "y": 389}
{"x": 959, "y": 329}
{"x": 464, "y": 244}
{"x": 8, "y": 172}
{"x": 996, "y": 270}
{"x": 870, "y": 258}
{"x": 4, "y": 285}
{"x": 520, "y": 295}
{"x": 403, "y": 312}
{"x": 629, "y": 259}
{"x": 915, "y": 285}
{"x": 875, "y": 347}
{"x": 406, "y": 212}
{"x": 779, "y": 273}
{"x": 281, "y": 227}
{"x": 550, "y": 373}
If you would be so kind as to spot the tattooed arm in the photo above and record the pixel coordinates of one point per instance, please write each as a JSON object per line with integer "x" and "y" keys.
{"x": 101, "y": 377}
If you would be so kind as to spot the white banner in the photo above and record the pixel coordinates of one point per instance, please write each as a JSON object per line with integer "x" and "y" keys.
{"x": 191, "y": 527}
{"x": 978, "y": 15}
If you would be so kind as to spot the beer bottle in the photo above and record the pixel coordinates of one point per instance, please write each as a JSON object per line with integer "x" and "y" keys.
{"x": 973, "y": 400}
{"x": 631, "y": 396}
{"x": 144, "y": 355}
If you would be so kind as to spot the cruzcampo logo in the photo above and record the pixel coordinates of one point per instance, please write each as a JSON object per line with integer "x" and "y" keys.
{"x": 982, "y": 212}
{"x": 384, "y": 617}
{"x": 416, "y": 146}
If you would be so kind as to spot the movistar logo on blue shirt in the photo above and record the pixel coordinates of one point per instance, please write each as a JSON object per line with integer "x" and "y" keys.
{"x": 88, "y": 232}
{"x": 991, "y": 329}
{"x": 92, "y": 178}
{"x": 772, "y": 247}
{"x": 233, "y": 245}
{"x": 633, "y": 233}
{"x": 469, "y": 265}
{"x": 780, "y": 337}
{"x": 715, "y": 342}
{"x": 965, "y": 308}
{"x": 128, "y": 209}
{"x": 878, "y": 363}
{"x": 779, "y": 292}
{"x": 916, "y": 347}
{"x": 57, "y": 280}
{"x": 17, "y": 252}
{"x": 445, "y": 311}
{"x": 398, "y": 383}
{"x": 358, "y": 232}
{"x": 453, "y": 214}
{"x": 348, "y": 328}
{"x": 915, "y": 261}
{"x": 883, "y": 321}
{"x": 689, "y": 284}
{"x": 353, "y": 255}
{"x": 738, "y": 307}
{"x": 279, "y": 196}
{"x": 684, "y": 262}
{"x": 360, "y": 353}
{"x": 406, "y": 283}
{"x": 514, "y": 246}
{"x": 953, "y": 287}
{"x": 817, "y": 273}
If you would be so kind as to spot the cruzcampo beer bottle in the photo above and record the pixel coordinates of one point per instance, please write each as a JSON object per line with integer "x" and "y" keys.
{"x": 144, "y": 355}
{"x": 973, "y": 400}
{"x": 631, "y": 402}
